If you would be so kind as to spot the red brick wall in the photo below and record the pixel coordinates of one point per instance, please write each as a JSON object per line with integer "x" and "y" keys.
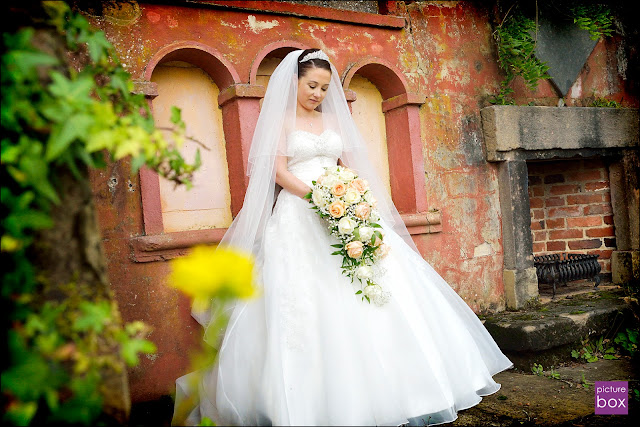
{"x": 571, "y": 209}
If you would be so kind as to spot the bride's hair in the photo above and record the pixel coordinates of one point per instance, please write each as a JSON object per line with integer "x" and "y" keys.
{"x": 303, "y": 67}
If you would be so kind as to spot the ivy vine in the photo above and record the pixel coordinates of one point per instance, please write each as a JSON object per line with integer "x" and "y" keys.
{"x": 516, "y": 55}
{"x": 594, "y": 18}
{"x": 66, "y": 101}
{"x": 515, "y": 39}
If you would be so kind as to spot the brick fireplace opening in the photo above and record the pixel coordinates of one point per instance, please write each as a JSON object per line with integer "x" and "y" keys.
{"x": 570, "y": 205}
{"x": 568, "y": 180}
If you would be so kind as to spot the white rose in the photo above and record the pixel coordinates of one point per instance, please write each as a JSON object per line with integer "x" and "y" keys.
{"x": 346, "y": 175}
{"x": 368, "y": 197}
{"x": 318, "y": 198}
{"x": 372, "y": 290}
{"x": 366, "y": 233}
{"x": 346, "y": 225}
{"x": 364, "y": 272}
{"x": 330, "y": 180}
{"x": 333, "y": 169}
{"x": 351, "y": 196}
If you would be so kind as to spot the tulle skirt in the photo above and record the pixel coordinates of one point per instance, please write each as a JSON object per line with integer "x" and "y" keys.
{"x": 311, "y": 352}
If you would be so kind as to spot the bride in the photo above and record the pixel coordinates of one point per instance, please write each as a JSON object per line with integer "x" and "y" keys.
{"x": 309, "y": 351}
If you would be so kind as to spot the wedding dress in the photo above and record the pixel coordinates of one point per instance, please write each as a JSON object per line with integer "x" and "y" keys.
{"x": 309, "y": 351}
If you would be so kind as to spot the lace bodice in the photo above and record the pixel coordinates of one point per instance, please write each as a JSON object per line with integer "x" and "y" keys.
{"x": 312, "y": 153}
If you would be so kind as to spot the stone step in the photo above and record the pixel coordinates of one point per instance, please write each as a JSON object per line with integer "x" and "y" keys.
{"x": 547, "y": 333}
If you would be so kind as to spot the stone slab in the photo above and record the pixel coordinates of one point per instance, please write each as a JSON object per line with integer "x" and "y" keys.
{"x": 510, "y": 128}
{"x": 558, "y": 323}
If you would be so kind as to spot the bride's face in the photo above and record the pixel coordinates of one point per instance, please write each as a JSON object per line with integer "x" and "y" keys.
{"x": 312, "y": 88}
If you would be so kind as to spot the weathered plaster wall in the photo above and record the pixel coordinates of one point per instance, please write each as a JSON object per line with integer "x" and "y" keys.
{"x": 445, "y": 51}
{"x": 451, "y": 60}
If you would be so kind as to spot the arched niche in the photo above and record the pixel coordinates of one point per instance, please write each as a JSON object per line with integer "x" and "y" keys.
{"x": 200, "y": 55}
{"x": 235, "y": 101}
{"x": 404, "y": 144}
{"x": 272, "y": 52}
{"x": 390, "y": 82}
{"x": 208, "y": 203}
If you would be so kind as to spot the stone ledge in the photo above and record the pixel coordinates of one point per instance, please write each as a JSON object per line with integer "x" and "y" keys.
{"x": 162, "y": 247}
{"x": 308, "y": 12}
{"x": 165, "y": 246}
{"x": 558, "y": 324}
{"x": 536, "y": 130}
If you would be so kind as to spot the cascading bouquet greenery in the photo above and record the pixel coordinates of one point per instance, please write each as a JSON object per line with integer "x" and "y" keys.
{"x": 345, "y": 201}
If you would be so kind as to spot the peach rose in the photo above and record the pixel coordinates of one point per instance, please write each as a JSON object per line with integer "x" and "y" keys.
{"x": 336, "y": 209}
{"x": 363, "y": 210}
{"x": 338, "y": 189}
{"x": 354, "y": 249}
{"x": 382, "y": 250}
{"x": 360, "y": 185}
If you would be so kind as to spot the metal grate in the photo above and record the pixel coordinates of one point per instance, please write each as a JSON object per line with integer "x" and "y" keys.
{"x": 562, "y": 268}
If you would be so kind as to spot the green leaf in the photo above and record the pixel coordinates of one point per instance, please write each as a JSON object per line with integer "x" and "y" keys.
{"x": 63, "y": 135}
{"x": 137, "y": 162}
{"x": 85, "y": 404}
{"x": 95, "y": 316}
{"x": 131, "y": 347}
{"x": 98, "y": 45}
{"x": 27, "y": 61}
{"x": 175, "y": 115}
{"x": 21, "y": 414}
{"x": 75, "y": 91}
{"x": 36, "y": 171}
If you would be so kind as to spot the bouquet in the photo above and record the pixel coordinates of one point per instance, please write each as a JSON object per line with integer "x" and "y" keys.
{"x": 347, "y": 204}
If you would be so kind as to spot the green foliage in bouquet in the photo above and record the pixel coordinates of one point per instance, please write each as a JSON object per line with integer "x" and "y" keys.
{"x": 346, "y": 203}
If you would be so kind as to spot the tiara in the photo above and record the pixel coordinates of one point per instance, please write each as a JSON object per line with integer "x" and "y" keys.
{"x": 318, "y": 54}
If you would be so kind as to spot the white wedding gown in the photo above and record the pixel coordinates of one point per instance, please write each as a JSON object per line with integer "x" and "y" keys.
{"x": 309, "y": 351}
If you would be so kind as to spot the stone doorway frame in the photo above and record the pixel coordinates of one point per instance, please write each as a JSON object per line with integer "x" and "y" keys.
{"x": 514, "y": 135}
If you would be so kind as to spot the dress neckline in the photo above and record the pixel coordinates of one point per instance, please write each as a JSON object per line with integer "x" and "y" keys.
{"x": 311, "y": 133}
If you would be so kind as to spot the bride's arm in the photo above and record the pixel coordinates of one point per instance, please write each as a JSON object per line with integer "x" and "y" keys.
{"x": 289, "y": 181}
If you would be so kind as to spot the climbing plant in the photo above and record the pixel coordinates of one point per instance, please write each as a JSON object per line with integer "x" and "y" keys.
{"x": 516, "y": 35}
{"x": 516, "y": 55}
{"x": 66, "y": 103}
{"x": 594, "y": 18}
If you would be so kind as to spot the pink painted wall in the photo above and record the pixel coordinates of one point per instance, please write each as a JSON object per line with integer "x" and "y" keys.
{"x": 444, "y": 50}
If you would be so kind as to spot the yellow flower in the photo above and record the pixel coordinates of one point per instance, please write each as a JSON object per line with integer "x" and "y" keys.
{"x": 207, "y": 272}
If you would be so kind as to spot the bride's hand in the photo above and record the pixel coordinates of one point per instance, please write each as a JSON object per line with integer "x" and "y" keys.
{"x": 289, "y": 181}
